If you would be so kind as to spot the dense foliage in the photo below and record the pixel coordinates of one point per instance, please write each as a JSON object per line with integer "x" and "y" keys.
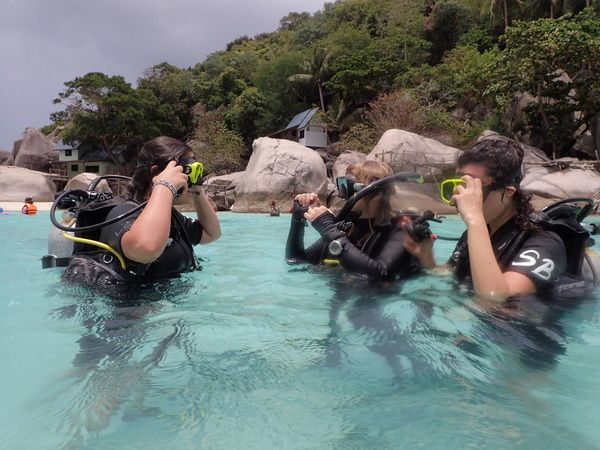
{"x": 444, "y": 68}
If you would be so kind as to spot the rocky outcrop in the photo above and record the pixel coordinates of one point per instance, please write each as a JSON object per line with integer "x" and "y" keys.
{"x": 83, "y": 180}
{"x": 406, "y": 151}
{"x": 557, "y": 184}
{"x": 5, "y": 156}
{"x": 278, "y": 169}
{"x": 221, "y": 189}
{"x": 16, "y": 183}
{"x": 35, "y": 151}
{"x": 343, "y": 161}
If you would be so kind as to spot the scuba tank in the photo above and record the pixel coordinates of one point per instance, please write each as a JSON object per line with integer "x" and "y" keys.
{"x": 89, "y": 210}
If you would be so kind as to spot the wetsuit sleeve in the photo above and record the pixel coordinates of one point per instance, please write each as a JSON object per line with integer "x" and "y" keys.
{"x": 542, "y": 258}
{"x": 387, "y": 263}
{"x": 294, "y": 249}
{"x": 192, "y": 227}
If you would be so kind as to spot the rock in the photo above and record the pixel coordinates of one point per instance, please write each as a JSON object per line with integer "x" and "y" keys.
{"x": 531, "y": 155}
{"x": 422, "y": 197}
{"x": 5, "y": 155}
{"x": 35, "y": 151}
{"x": 343, "y": 161}
{"x": 221, "y": 189}
{"x": 279, "y": 169}
{"x": 83, "y": 180}
{"x": 406, "y": 151}
{"x": 16, "y": 183}
{"x": 572, "y": 182}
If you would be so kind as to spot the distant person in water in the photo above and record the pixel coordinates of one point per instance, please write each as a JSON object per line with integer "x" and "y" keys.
{"x": 274, "y": 209}
{"x": 369, "y": 242}
{"x": 29, "y": 208}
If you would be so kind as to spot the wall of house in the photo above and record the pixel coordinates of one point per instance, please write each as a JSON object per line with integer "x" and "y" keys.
{"x": 62, "y": 155}
{"x": 313, "y": 136}
{"x": 97, "y": 167}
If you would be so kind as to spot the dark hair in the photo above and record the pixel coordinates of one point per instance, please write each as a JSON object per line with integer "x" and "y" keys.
{"x": 28, "y": 200}
{"x": 503, "y": 159}
{"x": 157, "y": 152}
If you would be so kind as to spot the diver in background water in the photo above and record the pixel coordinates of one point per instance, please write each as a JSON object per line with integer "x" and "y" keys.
{"x": 370, "y": 243}
{"x": 156, "y": 241}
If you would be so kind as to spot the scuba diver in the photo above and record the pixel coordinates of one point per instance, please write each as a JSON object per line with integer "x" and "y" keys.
{"x": 508, "y": 249}
{"x": 363, "y": 238}
{"x": 142, "y": 238}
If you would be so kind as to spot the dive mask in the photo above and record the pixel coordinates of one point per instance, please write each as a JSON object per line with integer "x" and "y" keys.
{"x": 194, "y": 170}
{"x": 347, "y": 187}
{"x": 448, "y": 187}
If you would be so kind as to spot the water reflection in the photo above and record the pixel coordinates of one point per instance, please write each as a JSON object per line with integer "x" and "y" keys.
{"x": 111, "y": 371}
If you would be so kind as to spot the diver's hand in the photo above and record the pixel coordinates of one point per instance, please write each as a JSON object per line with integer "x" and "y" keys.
{"x": 469, "y": 200}
{"x": 423, "y": 250}
{"x": 314, "y": 212}
{"x": 174, "y": 175}
{"x": 307, "y": 200}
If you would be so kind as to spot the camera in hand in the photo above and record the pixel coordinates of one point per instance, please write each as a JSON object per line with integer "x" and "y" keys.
{"x": 419, "y": 229}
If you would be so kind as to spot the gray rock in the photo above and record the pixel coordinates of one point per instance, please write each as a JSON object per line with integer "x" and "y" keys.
{"x": 279, "y": 169}
{"x": 343, "y": 161}
{"x": 16, "y": 183}
{"x": 35, "y": 151}
{"x": 221, "y": 189}
{"x": 84, "y": 179}
{"x": 571, "y": 182}
{"x": 406, "y": 151}
{"x": 5, "y": 155}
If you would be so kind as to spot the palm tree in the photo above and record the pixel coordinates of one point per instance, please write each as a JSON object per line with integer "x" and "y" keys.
{"x": 316, "y": 71}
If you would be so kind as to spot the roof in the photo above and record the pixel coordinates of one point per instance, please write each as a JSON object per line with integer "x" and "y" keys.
{"x": 62, "y": 145}
{"x": 94, "y": 154}
{"x": 302, "y": 119}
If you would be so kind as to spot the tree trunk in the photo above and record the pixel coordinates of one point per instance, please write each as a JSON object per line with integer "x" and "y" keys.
{"x": 321, "y": 97}
{"x": 506, "y": 21}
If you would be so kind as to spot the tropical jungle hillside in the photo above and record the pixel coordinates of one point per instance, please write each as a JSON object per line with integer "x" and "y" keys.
{"x": 446, "y": 69}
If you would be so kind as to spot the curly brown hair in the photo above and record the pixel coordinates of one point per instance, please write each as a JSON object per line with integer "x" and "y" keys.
{"x": 503, "y": 160}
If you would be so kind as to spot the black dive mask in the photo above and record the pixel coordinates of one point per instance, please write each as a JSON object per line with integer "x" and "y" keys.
{"x": 347, "y": 187}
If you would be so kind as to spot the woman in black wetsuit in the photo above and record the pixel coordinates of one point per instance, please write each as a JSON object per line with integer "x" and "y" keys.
{"x": 371, "y": 243}
{"x": 157, "y": 241}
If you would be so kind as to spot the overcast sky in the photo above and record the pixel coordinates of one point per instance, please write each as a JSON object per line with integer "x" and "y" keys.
{"x": 44, "y": 43}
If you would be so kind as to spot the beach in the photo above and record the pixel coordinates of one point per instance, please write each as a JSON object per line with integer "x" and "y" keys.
{"x": 16, "y": 206}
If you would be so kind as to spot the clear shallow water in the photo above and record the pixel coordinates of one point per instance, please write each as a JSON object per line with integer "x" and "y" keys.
{"x": 254, "y": 353}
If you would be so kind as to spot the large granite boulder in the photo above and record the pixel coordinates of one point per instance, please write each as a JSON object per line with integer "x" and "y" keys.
{"x": 5, "y": 156}
{"x": 558, "y": 184}
{"x": 16, "y": 183}
{"x": 35, "y": 151}
{"x": 221, "y": 189}
{"x": 406, "y": 151}
{"x": 279, "y": 169}
{"x": 84, "y": 179}
{"x": 343, "y": 161}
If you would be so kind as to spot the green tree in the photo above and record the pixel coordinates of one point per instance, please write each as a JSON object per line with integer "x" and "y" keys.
{"x": 220, "y": 149}
{"x": 315, "y": 71}
{"x": 557, "y": 62}
{"x": 107, "y": 112}
{"x": 245, "y": 113}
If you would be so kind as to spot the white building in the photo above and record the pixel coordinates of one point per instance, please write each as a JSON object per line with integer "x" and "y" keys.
{"x": 305, "y": 128}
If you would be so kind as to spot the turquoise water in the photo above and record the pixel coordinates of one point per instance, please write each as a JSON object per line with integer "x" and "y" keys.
{"x": 253, "y": 353}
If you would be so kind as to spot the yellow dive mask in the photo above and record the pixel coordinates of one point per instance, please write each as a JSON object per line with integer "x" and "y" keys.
{"x": 194, "y": 171}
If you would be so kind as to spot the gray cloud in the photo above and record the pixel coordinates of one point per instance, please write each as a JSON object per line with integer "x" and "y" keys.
{"x": 44, "y": 43}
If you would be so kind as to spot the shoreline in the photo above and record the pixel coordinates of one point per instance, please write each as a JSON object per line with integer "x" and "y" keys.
{"x": 16, "y": 206}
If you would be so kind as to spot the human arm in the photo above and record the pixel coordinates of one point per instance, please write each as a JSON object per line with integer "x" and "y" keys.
{"x": 294, "y": 249}
{"x": 147, "y": 238}
{"x": 390, "y": 260}
{"x": 206, "y": 216}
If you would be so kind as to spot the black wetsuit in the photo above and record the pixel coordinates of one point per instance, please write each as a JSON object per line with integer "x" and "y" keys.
{"x": 542, "y": 257}
{"x": 374, "y": 250}
{"x": 101, "y": 266}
